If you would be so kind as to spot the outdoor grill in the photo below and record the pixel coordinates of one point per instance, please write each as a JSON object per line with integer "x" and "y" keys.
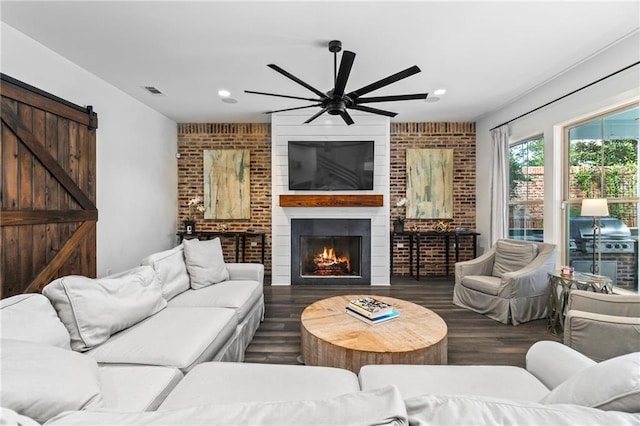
{"x": 615, "y": 236}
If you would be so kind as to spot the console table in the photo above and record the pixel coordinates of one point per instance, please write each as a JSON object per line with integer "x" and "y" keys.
{"x": 240, "y": 240}
{"x": 417, "y": 237}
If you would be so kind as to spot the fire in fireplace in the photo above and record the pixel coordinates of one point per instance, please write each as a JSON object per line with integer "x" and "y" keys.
{"x": 330, "y": 251}
{"x": 330, "y": 256}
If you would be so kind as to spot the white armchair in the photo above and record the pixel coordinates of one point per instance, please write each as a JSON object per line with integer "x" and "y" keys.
{"x": 508, "y": 283}
{"x": 602, "y": 326}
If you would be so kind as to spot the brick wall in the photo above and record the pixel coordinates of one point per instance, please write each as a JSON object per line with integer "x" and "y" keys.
{"x": 193, "y": 138}
{"x": 461, "y": 137}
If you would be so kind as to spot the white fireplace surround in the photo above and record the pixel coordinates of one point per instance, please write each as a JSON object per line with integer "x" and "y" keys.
{"x": 286, "y": 127}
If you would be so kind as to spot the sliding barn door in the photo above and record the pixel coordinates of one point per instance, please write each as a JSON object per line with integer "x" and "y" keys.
{"x": 48, "y": 217}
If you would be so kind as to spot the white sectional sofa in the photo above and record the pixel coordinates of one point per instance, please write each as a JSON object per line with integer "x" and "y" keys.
{"x": 156, "y": 314}
{"x": 164, "y": 369}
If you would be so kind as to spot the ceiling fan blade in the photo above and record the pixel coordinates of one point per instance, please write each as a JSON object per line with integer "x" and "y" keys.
{"x": 374, "y": 110}
{"x": 391, "y": 98}
{"x": 297, "y": 80}
{"x": 316, "y": 115}
{"x": 385, "y": 81}
{"x": 343, "y": 74}
{"x": 281, "y": 96}
{"x": 291, "y": 109}
{"x": 346, "y": 117}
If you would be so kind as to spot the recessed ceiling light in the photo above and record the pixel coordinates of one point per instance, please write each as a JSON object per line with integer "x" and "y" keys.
{"x": 224, "y": 93}
{"x": 439, "y": 92}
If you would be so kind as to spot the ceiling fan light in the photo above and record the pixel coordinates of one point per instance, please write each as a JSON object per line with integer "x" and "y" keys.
{"x": 336, "y": 107}
{"x": 223, "y": 93}
{"x": 439, "y": 92}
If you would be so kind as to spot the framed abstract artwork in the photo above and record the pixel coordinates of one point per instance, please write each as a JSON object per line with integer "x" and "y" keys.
{"x": 226, "y": 184}
{"x": 429, "y": 183}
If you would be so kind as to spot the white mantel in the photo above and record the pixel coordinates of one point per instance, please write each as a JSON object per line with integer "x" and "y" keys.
{"x": 286, "y": 127}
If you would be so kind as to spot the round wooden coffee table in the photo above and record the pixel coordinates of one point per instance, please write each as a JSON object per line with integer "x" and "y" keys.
{"x": 332, "y": 338}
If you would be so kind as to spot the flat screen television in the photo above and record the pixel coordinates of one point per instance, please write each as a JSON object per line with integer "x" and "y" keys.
{"x": 331, "y": 165}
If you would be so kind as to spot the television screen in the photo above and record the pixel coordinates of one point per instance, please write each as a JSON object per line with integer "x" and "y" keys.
{"x": 330, "y": 165}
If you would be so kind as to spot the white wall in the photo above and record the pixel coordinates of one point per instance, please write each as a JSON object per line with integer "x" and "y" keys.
{"x": 366, "y": 127}
{"x": 136, "y": 147}
{"x": 549, "y": 121}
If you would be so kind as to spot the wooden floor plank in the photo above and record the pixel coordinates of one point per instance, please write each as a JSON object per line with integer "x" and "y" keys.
{"x": 472, "y": 338}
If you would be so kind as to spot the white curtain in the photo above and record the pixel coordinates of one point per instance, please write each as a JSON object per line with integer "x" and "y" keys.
{"x": 500, "y": 184}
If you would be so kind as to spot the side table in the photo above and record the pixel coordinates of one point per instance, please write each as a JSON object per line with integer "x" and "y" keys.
{"x": 559, "y": 288}
{"x": 240, "y": 238}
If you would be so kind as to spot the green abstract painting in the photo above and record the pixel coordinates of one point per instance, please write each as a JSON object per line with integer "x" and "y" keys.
{"x": 430, "y": 183}
{"x": 226, "y": 184}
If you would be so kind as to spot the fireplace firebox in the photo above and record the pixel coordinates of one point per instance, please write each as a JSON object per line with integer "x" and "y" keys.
{"x": 330, "y": 256}
{"x": 330, "y": 251}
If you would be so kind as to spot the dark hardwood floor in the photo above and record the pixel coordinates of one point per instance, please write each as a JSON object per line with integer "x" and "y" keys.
{"x": 472, "y": 338}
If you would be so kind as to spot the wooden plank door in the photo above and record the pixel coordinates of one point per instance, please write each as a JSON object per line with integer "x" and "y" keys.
{"x": 48, "y": 188}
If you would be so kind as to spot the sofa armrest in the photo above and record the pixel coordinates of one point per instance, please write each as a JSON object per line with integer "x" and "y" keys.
{"x": 553, "y": 363}
{"x": 482, "y": 265}
{"x": 607, "y": 304}
{"x": 246, "y": 271}
{"x": 600, "y": 336}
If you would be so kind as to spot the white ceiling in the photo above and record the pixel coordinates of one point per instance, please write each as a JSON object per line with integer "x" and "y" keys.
{"x": 485, "y": 54}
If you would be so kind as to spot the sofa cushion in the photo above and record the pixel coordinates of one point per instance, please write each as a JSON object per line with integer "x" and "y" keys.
{"x": 246, "y": 382}
{"x": 94, "y": 309}
{"x": 205, "y": 262}
{"x": 512, "y": 256}
{"x": 611, "y": 385}
{"x": 40, "y": 381}
{"x": 31, "y": 317}
{"x": 486, "y": 380}
{"x": 482, "y": 283}
{"x": 238, "y": 295}
{"x": 380, "y": 407}
{"x": 136, "y": 387}
{"x": 477, "y": 410}
{"x": 176, "y": 337}
{"x": 171, "y": 270}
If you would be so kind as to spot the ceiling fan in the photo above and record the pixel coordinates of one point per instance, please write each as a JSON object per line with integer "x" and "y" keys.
{"x": 336, "y": 101}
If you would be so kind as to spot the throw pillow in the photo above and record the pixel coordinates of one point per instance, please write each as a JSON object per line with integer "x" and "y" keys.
{"x": 31, "y": 317}
{"x": 10, "y": 417}
{"x": 94, "y": 309}
{"x": 41, "y": 381}
{"x": 611, "y": 385}
{"x": 205, "y": 262}
{"x": 512, "y": 257}
{"x": 171, "y": 270}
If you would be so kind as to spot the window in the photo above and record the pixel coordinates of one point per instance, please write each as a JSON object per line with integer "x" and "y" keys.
{"x": 602, "y": 158}
{"x": 526, "y": 189}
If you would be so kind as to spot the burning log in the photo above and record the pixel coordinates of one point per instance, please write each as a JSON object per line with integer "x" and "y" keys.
{"x": 327, "y": 260}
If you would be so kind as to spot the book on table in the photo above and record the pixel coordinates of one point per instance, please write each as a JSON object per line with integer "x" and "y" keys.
{"x": 370, "y": 307}
{"x": 391, "y": 315}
